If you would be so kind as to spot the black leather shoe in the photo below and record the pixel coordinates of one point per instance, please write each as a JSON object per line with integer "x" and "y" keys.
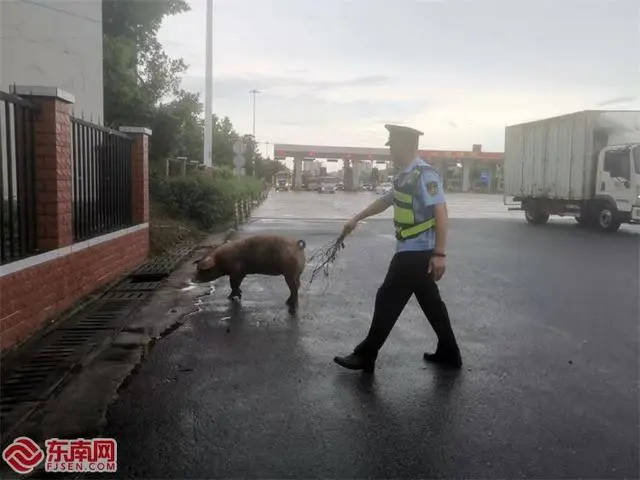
{"x": 447, "y": 359}
{"x": 355, "y": 362}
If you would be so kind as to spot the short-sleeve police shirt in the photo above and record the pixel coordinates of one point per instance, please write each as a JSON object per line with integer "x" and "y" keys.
{"x": 430, "y": 193}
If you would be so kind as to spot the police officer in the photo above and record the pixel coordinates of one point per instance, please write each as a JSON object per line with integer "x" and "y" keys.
{"x": 420, "y": 219}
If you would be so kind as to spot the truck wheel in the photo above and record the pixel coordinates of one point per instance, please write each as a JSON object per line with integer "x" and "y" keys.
{"x": 608, "y": 220}
{"x": 533, "y": 216}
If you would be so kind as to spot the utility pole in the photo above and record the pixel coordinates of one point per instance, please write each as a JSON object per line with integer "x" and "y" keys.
{"x": 253, "y": 94}
{"x": 208, "y": 89}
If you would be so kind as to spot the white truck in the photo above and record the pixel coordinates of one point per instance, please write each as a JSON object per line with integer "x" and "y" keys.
{"x": 585, "y": 165}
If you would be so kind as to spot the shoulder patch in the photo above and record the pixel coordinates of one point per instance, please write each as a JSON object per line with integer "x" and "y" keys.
{"x": 425, "y": 168}
{"x": 432, "y": 188}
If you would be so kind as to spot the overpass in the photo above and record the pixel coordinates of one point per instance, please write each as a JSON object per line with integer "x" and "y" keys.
{"x": 445, "y": 161}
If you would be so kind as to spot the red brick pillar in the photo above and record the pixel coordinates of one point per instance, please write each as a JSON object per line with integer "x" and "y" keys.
{"x": 140, "y": 172}
{"x": 53, "y": 164}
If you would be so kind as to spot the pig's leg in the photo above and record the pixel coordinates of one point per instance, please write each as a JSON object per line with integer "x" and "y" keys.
{"x": 235, "y": 280}
{"x": 293, "y": 281}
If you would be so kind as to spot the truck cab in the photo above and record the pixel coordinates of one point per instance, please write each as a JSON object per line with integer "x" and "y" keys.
{"x": 617, "y": 186}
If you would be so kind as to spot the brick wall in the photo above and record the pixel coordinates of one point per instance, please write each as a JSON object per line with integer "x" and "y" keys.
{"x": 33, "y": 295}
{"x": 36, "y": 289}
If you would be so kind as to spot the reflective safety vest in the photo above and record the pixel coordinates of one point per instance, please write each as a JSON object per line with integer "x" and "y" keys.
{"x": 407, "y": 207}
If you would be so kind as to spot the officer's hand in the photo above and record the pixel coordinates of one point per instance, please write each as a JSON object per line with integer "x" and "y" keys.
{"x": 437, "y": 267}
{"x": 349, "y": 227}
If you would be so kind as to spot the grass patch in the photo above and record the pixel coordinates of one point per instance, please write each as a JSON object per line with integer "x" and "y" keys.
{"x": 198, "y": 204}
{"x": 166, "y": 231}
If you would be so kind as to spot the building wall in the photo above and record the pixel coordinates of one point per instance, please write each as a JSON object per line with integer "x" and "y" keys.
{"x": 54, "y": 44}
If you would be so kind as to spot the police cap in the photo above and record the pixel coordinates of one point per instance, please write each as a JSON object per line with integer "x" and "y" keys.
{"x": 402, "y": 133}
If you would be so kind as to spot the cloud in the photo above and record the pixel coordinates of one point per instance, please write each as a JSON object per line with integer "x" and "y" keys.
{"x": 459, "y": 71}
{"x": 621, "y": 100}
{"x": 228, "y": 86}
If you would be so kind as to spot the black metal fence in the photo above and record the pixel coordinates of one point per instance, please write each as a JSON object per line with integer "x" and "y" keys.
{"x": 18, "y": 228}
{"x": 102, "y": 197}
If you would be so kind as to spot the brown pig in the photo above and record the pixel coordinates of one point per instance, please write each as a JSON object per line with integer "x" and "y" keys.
{"x": 260, "y": 254}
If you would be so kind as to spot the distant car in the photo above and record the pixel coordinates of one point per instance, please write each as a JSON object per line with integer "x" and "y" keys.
{"x": 384, "y": 188}
{"x": 367, "y": 187}
{"x": 325, "y": 188}
{"x": 340, "y": 186}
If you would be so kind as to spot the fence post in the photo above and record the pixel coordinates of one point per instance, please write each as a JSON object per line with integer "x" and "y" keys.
{"x": 53, "y": 173}
{"x": 139, "y": 172}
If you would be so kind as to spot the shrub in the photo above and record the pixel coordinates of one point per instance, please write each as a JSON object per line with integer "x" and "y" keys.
{"x": 202, "y": 198}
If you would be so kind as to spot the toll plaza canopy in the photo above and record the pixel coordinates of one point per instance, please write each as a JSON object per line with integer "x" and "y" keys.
{"x": 458, "y": 168}
{"x": 335, "y": 153}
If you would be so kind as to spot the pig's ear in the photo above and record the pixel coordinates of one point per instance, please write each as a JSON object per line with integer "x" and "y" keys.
{"x": 211, "y": 249}
{"x": 207, "y": 262}
{"x": 231, "y": 235}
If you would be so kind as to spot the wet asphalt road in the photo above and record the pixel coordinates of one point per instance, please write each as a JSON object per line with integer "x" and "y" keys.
{"x": 547, "y": 320}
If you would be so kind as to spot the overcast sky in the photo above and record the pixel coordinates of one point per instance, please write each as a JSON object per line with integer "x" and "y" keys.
{"x": 333, "y": 72}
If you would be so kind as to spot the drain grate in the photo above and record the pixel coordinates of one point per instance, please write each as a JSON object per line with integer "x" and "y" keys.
{"x": 105, "y": 314}
{"x": 42, "y": 371}
{"x": 162, "y": 264}
{"x": 41, "y": 367}
{"x": 130, "y": 285}
{"x": 128, "y": 295}
{"x": 159, "y": 268}
{"x": 111, "y": 306}
{"x": 44, "y": 365}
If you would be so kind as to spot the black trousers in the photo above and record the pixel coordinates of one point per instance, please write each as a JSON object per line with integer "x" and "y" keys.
{"x": 408, "y": 275}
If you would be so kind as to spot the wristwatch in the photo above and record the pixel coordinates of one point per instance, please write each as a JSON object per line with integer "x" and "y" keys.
{"x": 438, "y": 254}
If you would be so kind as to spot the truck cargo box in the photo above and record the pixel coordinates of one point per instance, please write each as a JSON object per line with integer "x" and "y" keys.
{"x": 557, "y": 157}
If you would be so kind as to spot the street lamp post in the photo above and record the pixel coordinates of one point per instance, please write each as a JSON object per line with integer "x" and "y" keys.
{"x": 253, "y": 94}
{"x": 208, "y": 89}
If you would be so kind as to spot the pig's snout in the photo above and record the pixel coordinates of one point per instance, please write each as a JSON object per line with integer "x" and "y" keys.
{"x": 204, "y": 276}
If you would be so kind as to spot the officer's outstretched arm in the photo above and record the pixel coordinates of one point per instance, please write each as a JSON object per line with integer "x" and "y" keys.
{"x": 378, "y": 206}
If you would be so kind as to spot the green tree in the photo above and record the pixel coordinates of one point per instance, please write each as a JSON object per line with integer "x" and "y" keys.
{"x": 267, "y": 168}
{"x": 177, "y": 128}
{"x": 138, "y": 72}
{"x": 138, "y": 20}
{"x": 142, "y": 87}
{"x": 223, "y": 137}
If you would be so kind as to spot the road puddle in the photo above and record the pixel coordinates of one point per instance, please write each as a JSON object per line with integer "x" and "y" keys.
{"x": 206, "y": 291}
{"x": 256, "y": 310}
